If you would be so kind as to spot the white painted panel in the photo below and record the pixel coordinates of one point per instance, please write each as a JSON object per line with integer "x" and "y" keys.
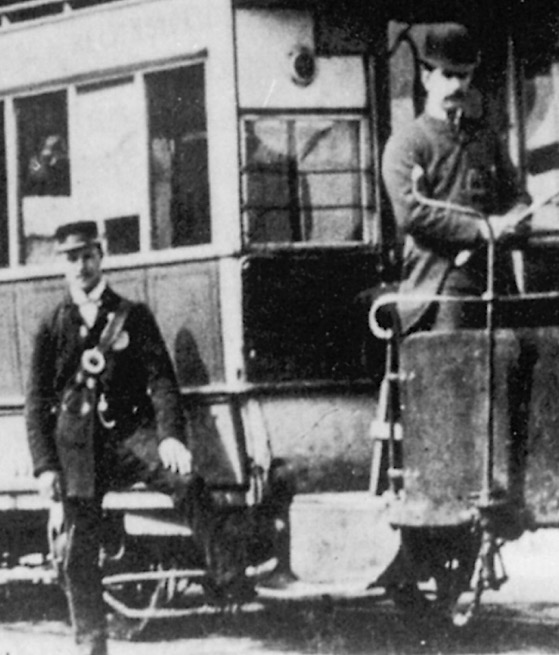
{"x": 107, "y": 37}
{"x": 16, "y": 469}
{"x": 108, "y": 146}
{"x": 266, "y": 41}
{"x": 89, "y": 45}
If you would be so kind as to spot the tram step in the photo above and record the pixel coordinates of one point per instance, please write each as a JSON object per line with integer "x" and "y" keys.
{"x": 341, "y": 536}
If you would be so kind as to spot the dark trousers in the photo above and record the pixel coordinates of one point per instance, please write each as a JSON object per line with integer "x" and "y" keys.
{"x": 83, "y": 575}
{"x": 117, "y": 468}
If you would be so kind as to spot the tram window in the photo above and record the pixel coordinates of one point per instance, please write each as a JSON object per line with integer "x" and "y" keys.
{"x": 180, "y": 196}
{"x": 303, "y": 180}
{"x": 43, "y": 137}
{"x": 43, "y": 170}
{"x": 109, "y": 158}
{"x": 122, "y": 235}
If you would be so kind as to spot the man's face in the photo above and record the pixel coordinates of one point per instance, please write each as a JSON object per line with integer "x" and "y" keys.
{"x": 83, "y": 267}
{"x": 447, "y": 89}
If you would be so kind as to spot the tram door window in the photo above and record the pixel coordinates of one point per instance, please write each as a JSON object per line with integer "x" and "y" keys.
{"x": 180, "y": 196}
{"x": 304, "y": 179}
{"x": 43, "y": 170}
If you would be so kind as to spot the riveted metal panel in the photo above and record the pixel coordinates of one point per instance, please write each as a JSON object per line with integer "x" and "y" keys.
{"x": 445, "y": 396}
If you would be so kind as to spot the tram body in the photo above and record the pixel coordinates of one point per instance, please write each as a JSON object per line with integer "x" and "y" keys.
{"x": 231, "y": 177}
{"x": 178, "y": 119}
{"x": 229, "y": 151}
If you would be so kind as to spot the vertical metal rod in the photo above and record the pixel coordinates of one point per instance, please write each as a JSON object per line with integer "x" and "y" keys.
{"x": 390, "y": 417}
{"x": 490, "y": 333}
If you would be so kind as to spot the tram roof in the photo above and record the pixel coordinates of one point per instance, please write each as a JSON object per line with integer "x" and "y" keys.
{"x": 408, "y": 10}
{"x": 413, "y": 11}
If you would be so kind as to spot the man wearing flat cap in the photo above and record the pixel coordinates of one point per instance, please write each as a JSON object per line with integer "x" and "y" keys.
{"x": 103, "y": 411}
{"x": 447, "y": 159}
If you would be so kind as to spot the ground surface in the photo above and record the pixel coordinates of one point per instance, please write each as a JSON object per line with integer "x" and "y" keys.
{"x": 522, "y": 618}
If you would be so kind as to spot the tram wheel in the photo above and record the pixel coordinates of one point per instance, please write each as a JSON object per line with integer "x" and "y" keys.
{"x": 442, "y": 576}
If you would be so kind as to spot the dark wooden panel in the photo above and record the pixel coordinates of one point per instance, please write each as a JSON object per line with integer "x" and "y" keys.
{"x": 305, "y": 316}
{"x": 185, "y": 298}
{"x": 10, "y": 373}
{"x": 33, "y": 299}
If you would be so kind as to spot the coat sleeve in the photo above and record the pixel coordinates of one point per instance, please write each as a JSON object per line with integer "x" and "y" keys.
{"x": 162, "y": 386}
{"x": 438, "y": 229}
{"x": 40, "y": 402}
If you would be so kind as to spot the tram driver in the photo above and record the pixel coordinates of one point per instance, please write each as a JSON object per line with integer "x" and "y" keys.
{"x": 450, "y": 156}
{"x": 451, "y": 185}
{"x": 103, "y": 411}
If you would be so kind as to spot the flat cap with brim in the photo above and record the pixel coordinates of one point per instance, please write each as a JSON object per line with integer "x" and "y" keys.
{"x": 73, "y": 236}
{"x": 449, "y": 46}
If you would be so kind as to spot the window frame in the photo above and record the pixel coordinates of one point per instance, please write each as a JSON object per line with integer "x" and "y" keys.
{"x": 364, "y": 170}
{"x": 146, "y": 256}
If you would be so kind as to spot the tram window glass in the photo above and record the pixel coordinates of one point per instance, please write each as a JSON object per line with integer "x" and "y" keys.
{"x": 43, "y": 170}
{"x": 303, "y": 179}
{"x": 179, "y": 183}
{"x": 109, "y": 157}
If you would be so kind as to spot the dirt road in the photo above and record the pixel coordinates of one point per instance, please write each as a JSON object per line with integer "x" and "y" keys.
{"x": 522, "y": 618}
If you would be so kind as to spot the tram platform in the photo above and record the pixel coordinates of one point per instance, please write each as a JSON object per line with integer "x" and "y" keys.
{"x": 337, "y": 539}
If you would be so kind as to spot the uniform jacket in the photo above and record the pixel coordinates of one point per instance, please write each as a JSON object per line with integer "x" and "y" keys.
{"x": 466, "y": 165}
{"x": 138, "y": 382}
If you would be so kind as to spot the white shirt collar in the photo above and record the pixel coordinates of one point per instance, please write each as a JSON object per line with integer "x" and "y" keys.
{"x": 79, "y": 297}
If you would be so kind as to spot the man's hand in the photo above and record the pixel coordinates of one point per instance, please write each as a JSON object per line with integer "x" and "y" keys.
{"x": 175, "y": 456}
{"x": 513, "y": 223}
{"x": 49, "y": 485}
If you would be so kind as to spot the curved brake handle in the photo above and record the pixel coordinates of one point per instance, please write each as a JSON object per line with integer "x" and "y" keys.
{"x": 376, "y": 328}
{"x": 395, "y": 298}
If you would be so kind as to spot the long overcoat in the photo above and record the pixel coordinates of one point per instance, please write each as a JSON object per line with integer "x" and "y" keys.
{"x": 459, "y": 166}
{"x": 138, "y": 386}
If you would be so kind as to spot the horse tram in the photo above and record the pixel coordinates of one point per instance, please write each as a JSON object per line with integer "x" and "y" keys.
{"x": 229, "y": 151}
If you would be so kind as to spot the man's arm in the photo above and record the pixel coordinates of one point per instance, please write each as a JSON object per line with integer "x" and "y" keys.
{"x": 165, "y": 395}
{"x": 40, "y": 403}
{"x": 437, "y": 228}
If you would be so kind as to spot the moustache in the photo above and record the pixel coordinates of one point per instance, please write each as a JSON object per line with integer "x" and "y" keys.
{"x": 459, "y": 95}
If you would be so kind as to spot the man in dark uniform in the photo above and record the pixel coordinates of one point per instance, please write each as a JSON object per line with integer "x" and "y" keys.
{"x": 451, "y": 157}
{"x": 103, "y": 411}
{"x": 446, "y": 160}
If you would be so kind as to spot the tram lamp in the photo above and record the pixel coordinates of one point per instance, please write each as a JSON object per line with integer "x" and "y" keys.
{"x": 303, "y": 66}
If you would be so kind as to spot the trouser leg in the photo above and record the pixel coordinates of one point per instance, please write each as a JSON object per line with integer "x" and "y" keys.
{"x": 218, "y": 532}
{"x": 83, "y": 575}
